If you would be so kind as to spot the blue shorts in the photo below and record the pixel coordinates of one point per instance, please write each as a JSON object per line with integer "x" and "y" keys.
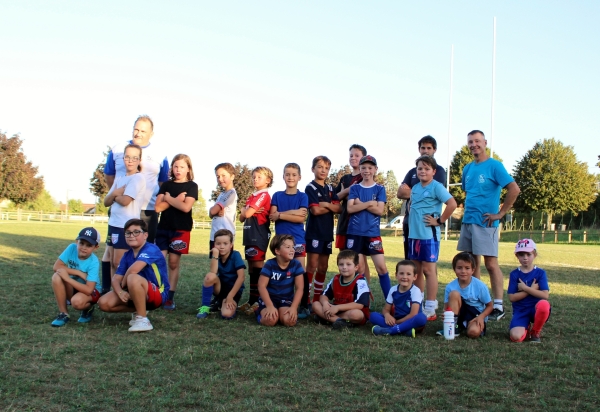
{"x": 423, "y": 250}
{"x": 116, "y": 238}
{"x": 522, "y": 318}
{"x": 364, "y": 245}
{"x": 321, "y": 247}
{"x": 467, "y": 313}
{"x": 278, "y": 303}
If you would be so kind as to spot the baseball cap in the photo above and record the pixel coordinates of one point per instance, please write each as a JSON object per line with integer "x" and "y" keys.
{"x": 525, "y": 245}
{"x": 90, "y": 234}
{"x": 368, "y": 158}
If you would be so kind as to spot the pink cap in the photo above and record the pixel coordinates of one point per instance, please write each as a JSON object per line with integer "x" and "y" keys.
{"x": 525, "y": 245}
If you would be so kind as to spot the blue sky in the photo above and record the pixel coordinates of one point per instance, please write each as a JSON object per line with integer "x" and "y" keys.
{"x": 266, "y": 83}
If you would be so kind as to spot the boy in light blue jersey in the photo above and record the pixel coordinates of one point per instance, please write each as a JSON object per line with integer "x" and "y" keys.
{"x": 427, "y": 198}
{"x": 76, "y": 277}
{"x": 468, "y": 297}
{"x": 366, "y": 202}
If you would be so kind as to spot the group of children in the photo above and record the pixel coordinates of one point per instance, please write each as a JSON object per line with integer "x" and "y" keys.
{"x": 280, "y": 287}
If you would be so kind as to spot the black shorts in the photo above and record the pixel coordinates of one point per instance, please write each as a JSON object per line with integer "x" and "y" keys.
{"x": 225, "y": 289}
{"x": 466, "y": 314}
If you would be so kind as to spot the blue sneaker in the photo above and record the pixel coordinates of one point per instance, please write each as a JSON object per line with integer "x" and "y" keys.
{"x": 258, "y": 318}
{"x": 380, "y": 331}
{"x": 203, "y": 312}
{"x": 303, "y": 313}
{"x": 61, "y": 320}
{"x": 410, "y": 333}
{"x": 86, "y": 315}
{"x": 169, "y": 305}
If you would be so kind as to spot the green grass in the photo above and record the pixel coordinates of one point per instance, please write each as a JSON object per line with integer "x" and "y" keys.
{"x": 216, "y": 365}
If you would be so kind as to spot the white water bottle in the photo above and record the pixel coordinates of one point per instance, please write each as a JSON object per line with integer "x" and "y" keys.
{"x": 449, "y": 325}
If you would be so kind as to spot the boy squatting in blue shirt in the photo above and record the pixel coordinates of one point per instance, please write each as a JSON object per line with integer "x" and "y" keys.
{"x": 76, "y": 277}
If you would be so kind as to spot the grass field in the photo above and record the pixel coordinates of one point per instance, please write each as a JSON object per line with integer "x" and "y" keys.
{"x": 217, "y": 365}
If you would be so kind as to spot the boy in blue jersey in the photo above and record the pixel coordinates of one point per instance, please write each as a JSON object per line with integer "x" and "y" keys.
{"x": 468, "y": 297}
{"x": 323, "y": 203}
{"x": 366, "y": 202}
{"x": 76, "y": 277}
{"x": 425, "y": 219}
{"x": 225, "y": 279}
{"x": 141, "y": 282}
{"x": 288, "y": 210}
{"x": 404, "y": 301}
{"x": 345, "y": 302}
{"x": 280, "y": 284}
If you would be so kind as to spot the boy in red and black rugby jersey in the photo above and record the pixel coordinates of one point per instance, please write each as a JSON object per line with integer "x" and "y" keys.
{"x": 346, "y": 299}
{"x": 255, "y": 217}
{"x": 322, "y": 204}
{"x": 342, "y": 190}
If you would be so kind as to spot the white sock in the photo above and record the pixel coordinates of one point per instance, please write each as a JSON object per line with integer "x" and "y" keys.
{"x": 430, "y": 304}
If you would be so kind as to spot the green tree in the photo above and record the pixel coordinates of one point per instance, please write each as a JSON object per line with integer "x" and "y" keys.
{"x": 393, "y": 204}
{"x": 98, "y": 186}
{"x": 553, "y": 180}
{"x": 335, "y": 175}
{"x": 243, "y": 185}
{"x": 43, "y": 202}
{"x": 75, "y": 206}
{"x": 461, "y": 158}
{"x": 19, "y": 182}
{"x": 199, "y": 210}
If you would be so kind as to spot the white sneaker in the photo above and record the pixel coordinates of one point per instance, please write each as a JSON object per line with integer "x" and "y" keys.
{"x": 132, "y": 321}
{"x": 430, "y": 313}
{"x": 141, "y": 325}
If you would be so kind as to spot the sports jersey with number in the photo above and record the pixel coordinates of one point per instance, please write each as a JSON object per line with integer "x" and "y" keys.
{"x": 365, "y": 223}
{"x": 281, "y": 281}
{"x": 155, "y": 270}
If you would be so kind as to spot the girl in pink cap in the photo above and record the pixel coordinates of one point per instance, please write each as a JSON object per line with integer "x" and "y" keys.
{"x": 528, "y": 291}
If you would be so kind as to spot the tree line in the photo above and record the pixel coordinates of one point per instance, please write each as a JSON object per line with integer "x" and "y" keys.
{"x": 551, "y": 179}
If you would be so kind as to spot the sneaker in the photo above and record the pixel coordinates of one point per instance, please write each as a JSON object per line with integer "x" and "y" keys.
{"x": 141, "y": 325}
{"x": 203, "y": 312}
{"x": 380, "y": 331}
{"x": 303, "y": 313}
{"x": 410, "y": 333}
{"x": 61, "y": 320}
{"x": 342, "y": 324}
{"x": 251, "y": 309}
{"x": 319, "y": 320}
{"x": 215, "y": 306}
{"x": 534, "y": 337}
{"x": 169, "y": 305}
{"x": 132, "y": 321}
{"x": 86, "y": 315}
{"x": 430, "y": 313}
{"x": 496, "y": 314}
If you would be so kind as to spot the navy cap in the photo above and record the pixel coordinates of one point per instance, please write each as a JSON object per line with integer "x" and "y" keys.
{"x": 90, "y": 234}
{"x": 368, "y": 158}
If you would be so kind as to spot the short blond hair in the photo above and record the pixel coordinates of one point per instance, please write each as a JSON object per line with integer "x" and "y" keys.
{"x": 265, "y": 171}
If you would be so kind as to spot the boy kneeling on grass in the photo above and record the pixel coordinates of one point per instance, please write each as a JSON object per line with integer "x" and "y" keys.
{"x": 141, "y": 281}
{"x": 468, "y": 297}
{"x": 345, "y": 302}
{"x": 76, "y": 276}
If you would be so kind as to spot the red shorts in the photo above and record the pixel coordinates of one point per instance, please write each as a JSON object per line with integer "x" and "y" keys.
{"x": 175, "y": 241}
{"x": 95, "y": 296}
{"x": 254, "y": 253}
{"x": 299, "y": 250}
{"x": 340, "y": 242}
{"x": 153, "y": 298}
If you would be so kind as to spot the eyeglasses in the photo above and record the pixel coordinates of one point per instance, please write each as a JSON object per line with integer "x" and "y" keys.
{"x": 131, "y": 158}
{"x": 135, "y": 233}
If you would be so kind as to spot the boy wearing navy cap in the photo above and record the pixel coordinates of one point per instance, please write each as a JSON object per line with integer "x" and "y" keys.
{"x": 76, "y": 276}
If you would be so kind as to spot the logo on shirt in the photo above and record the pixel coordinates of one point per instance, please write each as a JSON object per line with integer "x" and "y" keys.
{"x": 144, "y": 255}
{"x": 288, "y": 274}
{"x": 276, "y": 276}
{"x": 481, "y": 179}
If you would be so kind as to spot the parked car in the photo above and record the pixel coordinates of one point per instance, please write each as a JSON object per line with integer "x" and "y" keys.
{"x": 395, "y": 223}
